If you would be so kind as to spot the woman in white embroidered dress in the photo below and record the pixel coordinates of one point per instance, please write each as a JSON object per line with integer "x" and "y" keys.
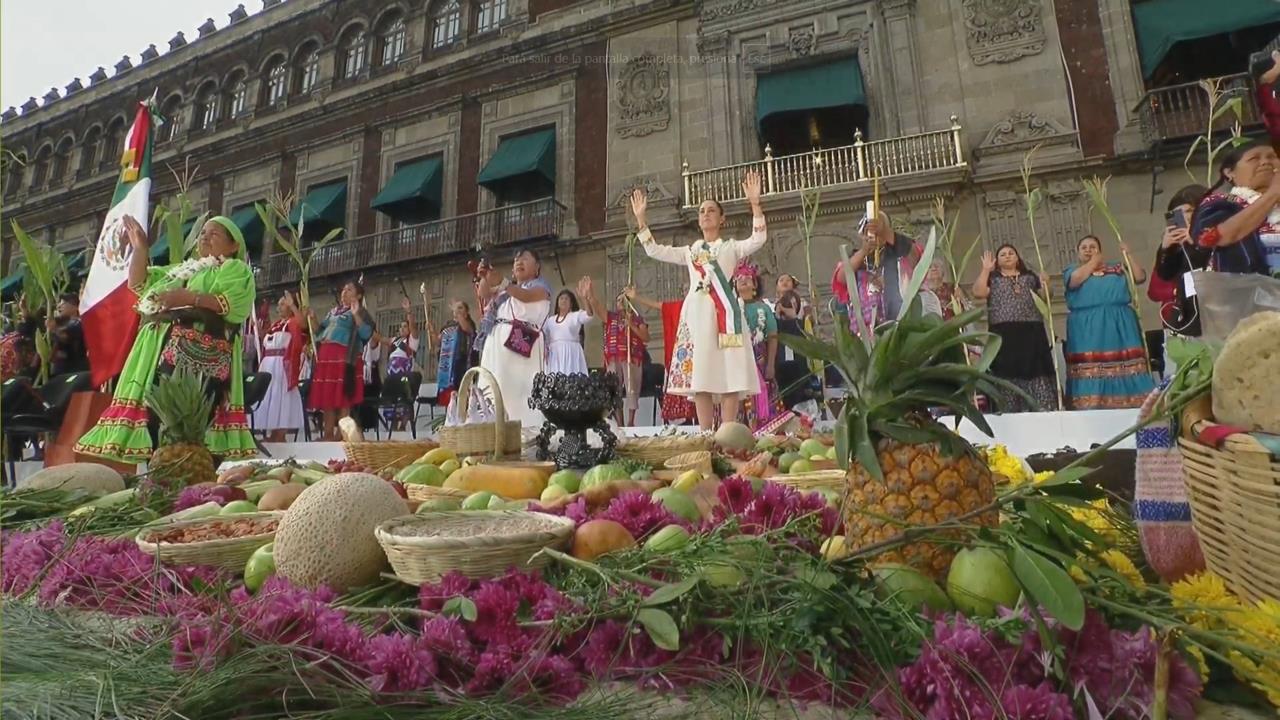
{"x": 514, "y": 350}
{"x": 712, "y": 359}
{"x": 564, "y": 330}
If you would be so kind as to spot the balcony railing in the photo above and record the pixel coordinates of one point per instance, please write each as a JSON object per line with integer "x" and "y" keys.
{"x": 861, "y": 161}
{"x": 525, "y": 222}
{"x": 1182, "y": 111}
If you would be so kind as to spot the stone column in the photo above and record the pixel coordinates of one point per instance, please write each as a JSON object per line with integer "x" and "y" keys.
{"x": 900, "y": 32}
{"x": 1127, "y": 86}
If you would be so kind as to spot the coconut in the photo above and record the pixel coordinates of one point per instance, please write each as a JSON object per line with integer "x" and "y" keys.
{"x": 1244, "y": 372}
{"x": 326, "y": 536}
{"x": 93, "y": 477}
{"x": 735, "y": 437}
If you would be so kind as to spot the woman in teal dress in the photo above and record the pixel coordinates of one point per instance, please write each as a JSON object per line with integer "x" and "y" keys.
{"x": 1106, "y": 357}
{"x": 761, "y": 325}
{"x": 192, "y": 313}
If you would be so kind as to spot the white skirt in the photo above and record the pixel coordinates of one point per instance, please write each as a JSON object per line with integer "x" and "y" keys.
{"x": 566, "y": 357}
{"x": 514, "y": 374}
{"x": 281, "y": 409}
{"x": 699, "y": 364}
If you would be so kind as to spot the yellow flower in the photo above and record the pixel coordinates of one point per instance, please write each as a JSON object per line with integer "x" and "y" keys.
{"x": 1001, "y": 462}
{"x": 1077, "y": 573}
{"x": 1197, "y": 655}
{"x": 1205, "y": 599}
{"x": 1124, "y": 567}
{"x": 1208, "y": 605}
{"x": 1096, "y": 518}
{"x": 1043, "y": 475}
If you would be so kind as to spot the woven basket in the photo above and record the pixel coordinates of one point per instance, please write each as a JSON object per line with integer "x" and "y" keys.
{"x": 498, "y": 438}
{"x": 658, "y": 449}
{"x": 699, "y": 460}
{"x": 812, "y": 481}
{"x": 423, "y": 493}
{"x": 231, "y": 553}
{"x": 1235, "y": 507}
{"x": 393, "y": 454}
{"x": 477, "y": 543}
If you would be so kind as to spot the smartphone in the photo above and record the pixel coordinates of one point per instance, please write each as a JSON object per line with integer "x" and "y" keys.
{"x": 1177, "y": 219}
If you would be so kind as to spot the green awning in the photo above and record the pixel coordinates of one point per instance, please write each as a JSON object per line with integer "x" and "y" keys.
{"x": 324, "y": 205}
{"x": 11, "y": 285}
{"x": 413, "y": 192}
{"x": 832, "y": 84}
{"x": 250, "y": 224}
{"x": 1161, "y": 24}
{"x": 528, "y": 153}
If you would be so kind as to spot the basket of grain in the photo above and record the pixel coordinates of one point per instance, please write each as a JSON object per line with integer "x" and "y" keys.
{"x": 425, "y": 547}
{"x": 224, "y": 541}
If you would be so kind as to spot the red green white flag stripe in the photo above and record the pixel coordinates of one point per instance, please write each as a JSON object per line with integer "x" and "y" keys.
{"x": 725, "y": 301}
{"x": 107, "y": 305}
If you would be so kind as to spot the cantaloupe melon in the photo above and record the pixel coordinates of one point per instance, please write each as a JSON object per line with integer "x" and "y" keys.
{"x": 326, "y": 537}
{"x": 1245, "y": 372}
{"x": 736, "y": 437}
{"x": 95, "y": 478}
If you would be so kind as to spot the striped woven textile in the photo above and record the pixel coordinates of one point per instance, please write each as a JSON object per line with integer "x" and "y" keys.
{"x": 1160, "y": 506}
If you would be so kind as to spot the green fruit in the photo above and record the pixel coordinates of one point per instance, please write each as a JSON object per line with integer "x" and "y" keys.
{"x": 818, "y": 458}
{"x": 235, "y": 507}
{"x": 786, "y": 460}
{"x": 449, "y": 467}
{"x": 831, "y": 453}
{"x": 602, "y": 474}
{"x": 260, "y": 566}
{"x": 667, "y": 539}
{"x": 811, "y": 447}
{"x": 678, "y": 503}
{"x": 521, "y": 504}
{"x": 497, "y": 502}
{"x": 767, "y": 442}
{"x": 687, "y": 481}
{"x": 421, "y": 474}
{"x": 800, "y": 466}
{"x": 552, "y": 493}
{"x": 908, "y": 586}
{"x": 567, "y": 479}
{"x": 478, "y": 500}
{"x": 641, "y": 475}
{"x": 439, "y": 504}
{"x": 831, "y": 496}
{"x": 723, "y": 575}
{"x": 980, "y": 581}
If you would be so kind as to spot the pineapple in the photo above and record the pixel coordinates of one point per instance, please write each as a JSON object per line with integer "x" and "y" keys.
{"x": 905, "y": 469}
{"x": 184, "y": 410}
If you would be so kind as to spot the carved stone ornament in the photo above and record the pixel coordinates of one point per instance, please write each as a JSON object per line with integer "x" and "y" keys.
{"x": 1020, "y": 127}
{"x": 800, "y": 42}
{"x": 658, "y": 194}
{"x": 1002, "y": 31}
{"x": 730, "y": 8}
{"x": 644, "y": 96}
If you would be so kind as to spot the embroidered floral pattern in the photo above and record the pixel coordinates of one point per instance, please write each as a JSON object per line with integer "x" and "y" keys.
{"x": 198, "y": 352}
{"x": 682, "y": 360}
{"x": 177, "y": 276}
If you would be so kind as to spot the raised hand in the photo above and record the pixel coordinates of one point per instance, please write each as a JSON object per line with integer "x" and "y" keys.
{"x": 639, "y": 206}
{"x": 1044, "y": 281}
{"x": 751, "y": 187}
{"x": 136, "y": 235}
{"x": 630, "y": 292}
{"x": 405, "y": 305}
{"x": 988, "y": 261}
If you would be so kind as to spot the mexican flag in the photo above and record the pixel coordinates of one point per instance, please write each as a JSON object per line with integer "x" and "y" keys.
{"x": 107, "y": 304}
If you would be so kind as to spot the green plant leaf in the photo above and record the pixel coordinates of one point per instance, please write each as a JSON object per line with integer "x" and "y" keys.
{"x": 864, "y": 448}
{"x": 670, "y": 591}
{"x": 329, "y": 236}
{"x": 193, "y": 237}
{"x": 1066, "y": 475}
{"x": 661, "y": 628}
{"x": 1233, "y": 105}
{"x": 843, "y": 445}
{"x": 918, "y": 274}
{"x": 1049, "y": 586}
{"x": 811, "y": 348}
{"x": 459, "y": 607}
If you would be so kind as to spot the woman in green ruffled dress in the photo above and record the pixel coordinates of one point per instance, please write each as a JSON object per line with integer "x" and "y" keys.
{"x": 192, "y": 313}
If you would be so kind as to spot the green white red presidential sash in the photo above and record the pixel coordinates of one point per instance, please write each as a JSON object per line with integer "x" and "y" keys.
{"x": 728, "y": 309}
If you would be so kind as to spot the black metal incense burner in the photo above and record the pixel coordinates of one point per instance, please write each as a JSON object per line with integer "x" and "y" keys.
{"x": 573, "y": 405}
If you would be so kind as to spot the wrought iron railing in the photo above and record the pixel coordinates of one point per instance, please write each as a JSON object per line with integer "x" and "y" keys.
{"x": 524, "y": 222}
{"x": 861, "y": 161}
{"x": 1182, "y": 111}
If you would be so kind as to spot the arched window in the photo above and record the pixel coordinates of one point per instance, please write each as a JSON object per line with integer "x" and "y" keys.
{"x": 275, "y": 75}
{"x": 89, "y": 150}
{"x": 391, "y": 38}
{"x": 447, "y": 24}
{"x": 490, "y": 14}
{"x": 171, "y": 111}
{"x": 208, "y": 112}
{"x": 235, "y": 95}
{"x": 40, "y": 168}
{"x": 307, "y": 69}
{"x": 61, "y": 160}
{"x": 354, "y": 47}
{"x": 113, "y": 143}
{"x": 17, "y": 165}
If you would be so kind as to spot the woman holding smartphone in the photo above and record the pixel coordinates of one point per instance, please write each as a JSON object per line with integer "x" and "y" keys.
{"x": 1177, "y": 256}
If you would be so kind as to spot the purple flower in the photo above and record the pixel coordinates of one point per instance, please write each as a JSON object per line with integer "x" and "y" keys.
{"x": 734, "y": 493}
{"x": 639, "y": 514}
{"x": 1041, "y": 702}
{"x": 496, "y": 608}
{"x": 433, "y": 597}
{"x": 399, "y": 663}
{"x": 200, "y": 494}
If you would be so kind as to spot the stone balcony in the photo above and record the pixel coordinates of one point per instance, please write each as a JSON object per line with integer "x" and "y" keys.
{"x": 535, "y": 221}
{"x": 895, "y": 161}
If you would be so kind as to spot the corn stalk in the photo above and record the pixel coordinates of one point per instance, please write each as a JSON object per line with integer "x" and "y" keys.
{"x": 169, "y": 220}
{"x": 1096, "y": 189}
{"x": 1032, "y": 197}
{"x": 1217, "y": 108}
{"x": 46, "y": 278}
{"x": 947, "y": 244}
{"x": 275, "y": 215}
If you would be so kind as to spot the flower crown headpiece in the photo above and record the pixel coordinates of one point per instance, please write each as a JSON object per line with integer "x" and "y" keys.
{"x": 748, "y": 269}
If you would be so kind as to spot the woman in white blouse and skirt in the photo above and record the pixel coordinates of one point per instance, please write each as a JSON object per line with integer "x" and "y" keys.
{"x": 514, "y": 351}
{"x": 712, "y": 358}
{"x": 564, "y": 331}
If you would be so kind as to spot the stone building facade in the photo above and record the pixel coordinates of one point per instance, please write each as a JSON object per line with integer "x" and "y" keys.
{"x": 677, "y": 97}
